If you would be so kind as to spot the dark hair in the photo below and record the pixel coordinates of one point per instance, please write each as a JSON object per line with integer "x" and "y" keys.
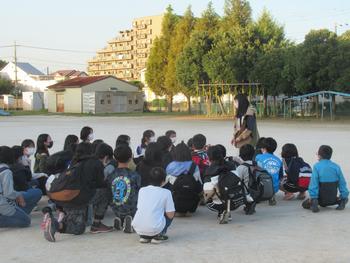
{"x": 40, "y": 144}
{"x": 96, "y": 143}
{"x": 199, "y": 141}
{"x": 123, "y": 153}
{"x": 82, "y": 151}
{"x": 325, "y": 152}
{"x": 58, "y": 162}
{"x": 215, "y": 155}
{"x": 169, "y": 133}
{"x": 164, "y": 143}
{"x": 289, "y": 150}
{"x": 70, "y": 143}
{"x": 247, "y": 152}
{"x": 6, "y": 155}
{"x": 27, "y": 143}
{"x": 103, "y": 150}
{"x": 146, "y": 136}
{"x": 122, "y": 139}
{"x": 182, "y": 153}
{"x": 243, "y": 104}
{"x": 269, "y": 144}
{"x": 190, "y": 143}
{"x": 17, "y": 152}
{"x": 153, "y": 154}
{"x": 222, "y": 149}
{"x": 85, "y": 132}
{"x": 157, "y": 176}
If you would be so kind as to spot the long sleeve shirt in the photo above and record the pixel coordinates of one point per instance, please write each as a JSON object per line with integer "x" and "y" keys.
{"x": 7, "y": 193}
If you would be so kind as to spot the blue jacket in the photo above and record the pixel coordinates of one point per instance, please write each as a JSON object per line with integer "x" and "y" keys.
{"x": 326, "y": 171}
{"x": 273, "y": 165}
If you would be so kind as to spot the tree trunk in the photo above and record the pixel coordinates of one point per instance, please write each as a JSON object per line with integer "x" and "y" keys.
{"x": 265, "y": 103}
{"x": 189, "y": 104}
{"x": 334, "y": 106}
{"x": 170, "y": 103}
{"x": 221, "y": 105}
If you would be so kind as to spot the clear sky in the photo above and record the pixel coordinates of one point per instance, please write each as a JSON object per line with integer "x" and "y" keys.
{"x": 88, "y": 25}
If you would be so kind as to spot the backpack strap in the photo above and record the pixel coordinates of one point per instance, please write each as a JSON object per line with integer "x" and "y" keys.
{"x": 192, "y": 169}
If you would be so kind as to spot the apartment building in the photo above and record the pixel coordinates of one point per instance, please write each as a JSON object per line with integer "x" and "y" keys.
{"x": 126, "y": 55}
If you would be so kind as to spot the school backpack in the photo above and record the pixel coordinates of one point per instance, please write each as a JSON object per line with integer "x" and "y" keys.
{"x": 64, "y": 186}
{"x": 231, "y": 188}
{"x": 121, "y": 189}
{"x": 186, "y": 191}
{"x": 260, "y": 185}
{"x": 4, "y": 169}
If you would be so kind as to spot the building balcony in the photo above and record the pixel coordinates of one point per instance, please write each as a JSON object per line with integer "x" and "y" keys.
{"x": 120, "y": 39}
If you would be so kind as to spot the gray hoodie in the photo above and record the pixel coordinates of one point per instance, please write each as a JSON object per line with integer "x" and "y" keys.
{"x": 7, "y": 194}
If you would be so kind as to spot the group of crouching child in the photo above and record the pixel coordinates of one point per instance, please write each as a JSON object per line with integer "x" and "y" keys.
{"x": 162, "y": 180}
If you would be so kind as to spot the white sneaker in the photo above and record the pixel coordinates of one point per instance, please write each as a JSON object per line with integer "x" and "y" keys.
{"x": 144, "y": 240}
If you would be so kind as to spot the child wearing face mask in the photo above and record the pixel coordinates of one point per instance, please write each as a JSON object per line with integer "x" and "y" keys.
{"x": 87, "y": 134}
{"x": 44, "y": 143}
{"x": 171, "y": 134}
{"x": 147, "y": 138}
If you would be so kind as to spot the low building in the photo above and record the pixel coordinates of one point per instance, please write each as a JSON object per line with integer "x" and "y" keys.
{"x": 94, "y": 94}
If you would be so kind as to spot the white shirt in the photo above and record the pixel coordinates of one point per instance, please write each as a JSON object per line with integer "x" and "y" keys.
{"x": 153, "y": 202}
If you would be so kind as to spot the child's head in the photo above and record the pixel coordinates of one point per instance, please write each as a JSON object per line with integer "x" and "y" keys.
{"x": 241, "y": 103}
{"x": 199, "y": 141}
{"x": 182, "y": 153}
{"x": 28, "y": 147}
{"x": 58, "y": 162}
{"x": 153, "y": 154}
{"x": 247, "y": 152}
{"x": 215, "y": 155}
{"x": 6, "y": 155}
{"x": 123, "y": 153}
{"x": 289, "y": 150}
{"x": 190, "y": 143}
{"x": 17, "y": 152}
{"x": 122, "y": 139}
{"x": 43, "y": 143}
{"x": 87, "y": 134}
{"x": 157, "y": 176}
{"x": 148, "y": 137}
{"x": 222, "y": 149}
{"x": 104, "y": 153}
{"x": 84, "y": 149}
{"x": 171, "y": 134}
{"x": 269, "y": 145}
{"x": 71, "y": 143}
{"x": 259, "y": 145}
{"x": 325, "y": 152}
{"x": 95, "y": 144}
{"x": 164, "y": 143}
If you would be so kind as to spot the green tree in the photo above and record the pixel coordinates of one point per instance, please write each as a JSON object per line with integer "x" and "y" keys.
{"x": 2, "y": 64}
{"x": 6, "y": 86}
{"x": 180, "y": 38}
{"x": 209, "y": 22}
{"x": 342, "y": 63}
{"x": 237, "y": 16}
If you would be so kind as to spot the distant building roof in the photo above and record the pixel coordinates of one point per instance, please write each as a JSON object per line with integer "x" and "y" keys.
{"x": 28, "y": 68}
{"x": 78, "y": 82}
{"x": 69, "y": 73}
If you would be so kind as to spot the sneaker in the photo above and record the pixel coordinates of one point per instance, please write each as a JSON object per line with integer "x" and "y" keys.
{"x": 301, "y": 196}
{"x": 272, "y": 201}
{"x": 50, "y": 228}
{"x": 117, "y": 223}
{"x": 159, "y": 239}
{"x": 144, "y": 240}
{"x": 100, "y": 228}
{"x": 288, "y": 196}
{"x": 127, "y": 228}
{"x": 223, "y": 219}
{"x": 61, "y": 216}
{"x": 47, "y": 213}
{"x": 342, "y": 204}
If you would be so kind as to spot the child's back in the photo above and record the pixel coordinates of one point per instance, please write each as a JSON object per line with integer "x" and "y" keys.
{"x": 273, "y": 165}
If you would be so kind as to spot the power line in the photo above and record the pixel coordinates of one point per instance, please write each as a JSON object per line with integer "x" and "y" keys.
{"x": 54, "y": 61}
{"x": 53, "y": 49}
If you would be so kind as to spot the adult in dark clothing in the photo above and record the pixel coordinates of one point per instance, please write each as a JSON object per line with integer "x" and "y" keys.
{"x": 90, "y": 171}
{"x": 165, "y": 145}
{"x": 22, "y": 176}
{"x": 153, "y": 158}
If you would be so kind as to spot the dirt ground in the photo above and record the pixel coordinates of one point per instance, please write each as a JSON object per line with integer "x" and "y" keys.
{"x": 285, "y": 233}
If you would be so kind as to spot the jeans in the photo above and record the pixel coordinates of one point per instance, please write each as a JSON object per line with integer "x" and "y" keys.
{"x": 31, "y": 197}
{"x": 18, "y": 219}
{"x": 167, "y": 224}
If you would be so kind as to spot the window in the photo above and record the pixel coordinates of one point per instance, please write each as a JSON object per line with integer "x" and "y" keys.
{"x": 130, "y": 102}
{"x": 109, "y": 102}
{"x": 136, "y": 101}
{"x": 102, "y": 102}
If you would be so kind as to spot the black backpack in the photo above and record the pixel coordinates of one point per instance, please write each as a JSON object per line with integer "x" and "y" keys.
{"x": 186, "y": 191}
{"x": 231, "y": 188}
{"x": 260, "y": 185}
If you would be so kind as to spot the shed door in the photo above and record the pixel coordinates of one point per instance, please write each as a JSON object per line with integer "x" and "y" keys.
{"x": 60, "y": 102}
{"x": 119, "y": 103}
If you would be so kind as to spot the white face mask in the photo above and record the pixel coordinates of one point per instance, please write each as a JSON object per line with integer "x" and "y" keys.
{"x": 29, "y": 151}
{"x": 173, "y": 140}
{"x": 152, "y": 139}
{"x": 91, "y": 137}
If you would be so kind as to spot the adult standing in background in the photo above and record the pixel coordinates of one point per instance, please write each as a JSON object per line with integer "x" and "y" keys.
{"x": 245, "y": 126}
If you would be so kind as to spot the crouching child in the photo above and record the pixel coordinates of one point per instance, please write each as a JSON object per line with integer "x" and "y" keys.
{"x": 326, "y": 179}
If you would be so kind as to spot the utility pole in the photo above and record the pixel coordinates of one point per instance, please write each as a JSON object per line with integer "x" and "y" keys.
{"x": 336, "y": 28}
{"x": 16, "y": 80}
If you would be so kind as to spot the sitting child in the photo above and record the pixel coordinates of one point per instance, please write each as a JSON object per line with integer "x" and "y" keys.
{"x": 271, "y": 163}
{"x": 327, "y": 178}
{"x": 125, "y": 186}
{"x": 298, "y": 173}
{"x": 199, "y": 154}
{"x": 155, "y": 209}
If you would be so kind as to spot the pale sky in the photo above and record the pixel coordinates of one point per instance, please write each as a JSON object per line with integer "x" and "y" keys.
{"x": 88, "y": 25}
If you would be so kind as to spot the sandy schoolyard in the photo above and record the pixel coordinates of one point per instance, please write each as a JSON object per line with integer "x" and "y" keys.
{"x": 284, "y": 233}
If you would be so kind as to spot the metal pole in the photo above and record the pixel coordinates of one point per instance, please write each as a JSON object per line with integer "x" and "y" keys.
{"x": 322, "y": 106}
{"x": 331, "y": 107}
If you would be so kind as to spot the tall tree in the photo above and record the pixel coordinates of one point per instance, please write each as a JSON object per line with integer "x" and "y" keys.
{"x": 209, "y": 21}
{"x": 237, "y": 16}
{"x": 180, "y": 38}
{"x": 6, "y": 86}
